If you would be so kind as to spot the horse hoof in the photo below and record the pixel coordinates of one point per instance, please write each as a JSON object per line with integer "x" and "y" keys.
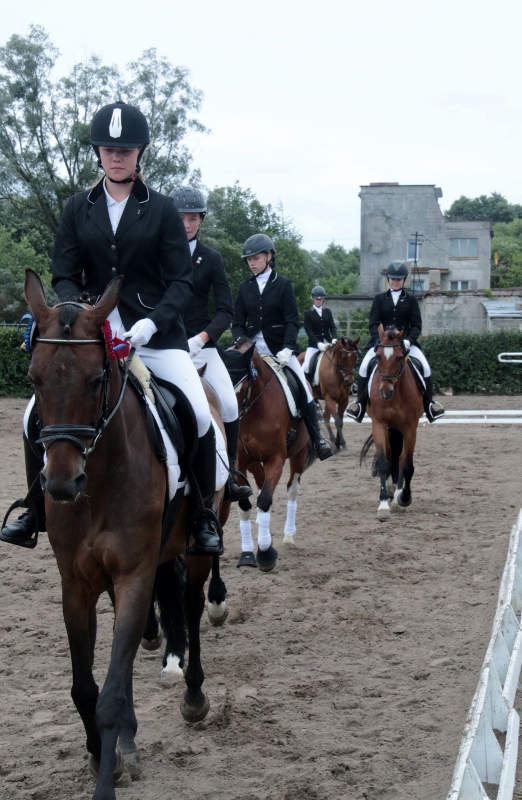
{"x": 171, "y": 672}
{"x": 289, "y": 539}
{"x": 247, "y": 559}
{"x": 403, "y": 503}
{"x": 383, "y": 512}
{"x": 152, "y": 644}
{"x": 194, "y": 706}
{"x": 133, "y": 764}
{"x": 266, "y": 559}
{"x": 217, "y": 613}
{"x": 94, "y": 766}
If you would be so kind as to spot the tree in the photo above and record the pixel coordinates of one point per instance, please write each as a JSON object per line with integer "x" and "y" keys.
{"x": 337, "y": 269}
{"x": 234, "y": 215}
{"x": 507, "y": 243}
{"x": 15, "y": 256}
{"x": 495, "y": 208}
{"x": 45, "y": 155}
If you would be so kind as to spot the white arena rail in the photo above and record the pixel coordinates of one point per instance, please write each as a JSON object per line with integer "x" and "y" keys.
{"x": 489, "y": 746}
{"x": 485, "y": 416}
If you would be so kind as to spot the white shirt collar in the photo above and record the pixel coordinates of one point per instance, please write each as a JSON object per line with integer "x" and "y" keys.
{"x": 114, "y": 208}
{"x": 262, "y": 279}
{"x": 192, "y": 245}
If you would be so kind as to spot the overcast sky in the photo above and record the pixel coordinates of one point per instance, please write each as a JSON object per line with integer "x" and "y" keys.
{"x": 307, "y": 100}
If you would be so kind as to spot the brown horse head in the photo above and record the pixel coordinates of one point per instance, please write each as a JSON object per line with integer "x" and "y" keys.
{"x": 391, "y": 359}
{"x": 70, "y": 372}
{"x": 343, "y": 356}
{"x": 237, "y": 361}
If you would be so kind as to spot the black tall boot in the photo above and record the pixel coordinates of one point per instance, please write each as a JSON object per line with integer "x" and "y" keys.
{"x": 357, "y": 410}
{"x": 204, "y": 527}
{"x": 432, "y": 409}
{"x": 24, "y": 530}
{"x": 235, "y": 490}
{"x": 323, "y": 449}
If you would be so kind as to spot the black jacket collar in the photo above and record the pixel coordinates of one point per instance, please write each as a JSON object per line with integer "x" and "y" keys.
{"x": 139, "y": 192}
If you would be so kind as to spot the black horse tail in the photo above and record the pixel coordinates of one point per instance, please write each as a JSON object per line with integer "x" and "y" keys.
{"x": 364, "y": 452}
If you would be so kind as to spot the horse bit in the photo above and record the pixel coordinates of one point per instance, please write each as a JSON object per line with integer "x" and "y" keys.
{"x": 53, "y": 433}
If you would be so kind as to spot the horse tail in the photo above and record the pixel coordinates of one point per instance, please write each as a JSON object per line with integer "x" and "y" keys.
{"x": 365, "y": 448}
{"x": 310, "y": 456}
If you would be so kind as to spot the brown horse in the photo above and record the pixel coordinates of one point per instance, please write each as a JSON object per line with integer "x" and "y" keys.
{"x": 336, "y": 371}
{"x": 268, "y": 436}
{"x": 105, "y": 494}
{"x": 395, "y": 407}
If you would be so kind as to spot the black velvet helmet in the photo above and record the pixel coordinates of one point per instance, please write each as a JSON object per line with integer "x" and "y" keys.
{"x": 397, "y": 269}
{"x": 119, "y": 125}
{"x": 187, "y": 199}
{"x": 258, "y": 243}
{"x": 318, "y": 292}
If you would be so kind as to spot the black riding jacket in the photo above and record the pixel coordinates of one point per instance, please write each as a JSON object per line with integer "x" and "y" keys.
{"x": 404, "y": 316}
{"x": 319, "y": 327}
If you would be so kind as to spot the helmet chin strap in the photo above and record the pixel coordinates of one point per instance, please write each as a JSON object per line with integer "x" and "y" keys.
{"x": 130, "y": 179}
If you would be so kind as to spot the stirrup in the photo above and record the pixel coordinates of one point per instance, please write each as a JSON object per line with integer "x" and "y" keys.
{"x": 356, "y": 411}
{"x": 436, "y": 410}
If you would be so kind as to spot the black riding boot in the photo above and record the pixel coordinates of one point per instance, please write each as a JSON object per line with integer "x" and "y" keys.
{"x": 205, "y": 526}
{"x": 430, "y": 406}
{"x": 357, "y": 410}
{"x": 234, "y": 489}
{"x": 23, "y": 531}
{"x": 323, "y": 449}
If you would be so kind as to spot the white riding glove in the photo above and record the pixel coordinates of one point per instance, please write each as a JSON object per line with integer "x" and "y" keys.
{"x": 334, "y": 341}
{"x": 322, "y": 346}
{"x": 406, "y": 343}
{"x": 195, "y": 344}
{"x": 284, "y": 356}
{"x": 141, "y": 332}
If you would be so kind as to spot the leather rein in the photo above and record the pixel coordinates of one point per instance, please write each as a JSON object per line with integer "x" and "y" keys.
{"x": 65, "y": 432}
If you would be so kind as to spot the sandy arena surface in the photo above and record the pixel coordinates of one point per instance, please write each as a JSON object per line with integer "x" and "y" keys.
{"x": 344, "y": 674}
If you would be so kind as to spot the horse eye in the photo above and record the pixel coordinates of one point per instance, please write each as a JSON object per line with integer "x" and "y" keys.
{"x": 95, "y": 383}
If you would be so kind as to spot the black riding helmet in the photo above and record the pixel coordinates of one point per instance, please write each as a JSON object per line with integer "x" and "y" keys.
{"x": 120, "y": 125}
{"x": 258, "y": 243}
{"x": 318, "y": 292}
{"x": 188, "y": 199}
{"x": 397, "y": 269}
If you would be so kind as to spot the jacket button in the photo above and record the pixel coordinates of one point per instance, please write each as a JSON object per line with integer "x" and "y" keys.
{"x": 113, "y": 247}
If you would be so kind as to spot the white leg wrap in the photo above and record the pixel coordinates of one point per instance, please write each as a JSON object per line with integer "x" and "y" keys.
{"x": 264, "y": 537}
{"x": 291, "y": 508}
{"x": 245, "y": 527}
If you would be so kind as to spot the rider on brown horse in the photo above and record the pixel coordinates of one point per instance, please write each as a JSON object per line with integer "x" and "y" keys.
{"x": 400, "y": 309}
{"x": 320, "y": 328}
{"x": 266, "y": 313}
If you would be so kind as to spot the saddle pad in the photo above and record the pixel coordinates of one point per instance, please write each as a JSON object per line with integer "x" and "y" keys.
{"x": 416, "y": 368}
{"x": 173, "y": 467}
{"x": 315, "y": 381}
{"x": 273, "y": 364}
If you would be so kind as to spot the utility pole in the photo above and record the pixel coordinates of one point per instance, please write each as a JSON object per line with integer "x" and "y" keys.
{"x": 415, "y": 267}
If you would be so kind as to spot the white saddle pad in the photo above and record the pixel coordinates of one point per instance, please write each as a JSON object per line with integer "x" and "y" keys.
{"x": 273, "y": 364}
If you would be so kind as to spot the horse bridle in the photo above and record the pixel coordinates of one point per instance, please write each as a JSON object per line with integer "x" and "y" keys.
{"x": 65, "y": 432}
{"x": 392, "y": 378}
{"x": 344, "y": 372}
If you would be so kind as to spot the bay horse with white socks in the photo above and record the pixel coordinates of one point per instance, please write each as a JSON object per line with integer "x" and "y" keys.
{"x": 268, "y": 436}
{"x": 395, "y": 406}
{"x": 105, "y": 495}
{"x": 336, "y": 372}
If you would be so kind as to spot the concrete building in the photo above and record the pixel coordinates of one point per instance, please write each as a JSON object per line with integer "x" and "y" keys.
{"x": 450, "y": 256}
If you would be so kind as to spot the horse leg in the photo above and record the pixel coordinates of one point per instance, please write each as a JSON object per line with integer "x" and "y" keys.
{"x": 266, "y": 553}
{"x": 194, "y": 704}
{"x": 341, "y": 408}
{"x": 152, "y": 635}
{"x": 406, "y": 469}
{"x": 132, "y": 593}
{"x": 292, "y": 490}
{"x": 247, "y": 557}
{"x": 169, "y": 585}
{"x": 217, "y": 610}
{"x": 126, "y": 739}
{"x": 330, "y": 411}
{"x": 380, "y": 438}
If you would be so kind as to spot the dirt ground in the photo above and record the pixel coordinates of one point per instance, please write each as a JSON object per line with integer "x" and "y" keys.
{"x": 344, "y": 674}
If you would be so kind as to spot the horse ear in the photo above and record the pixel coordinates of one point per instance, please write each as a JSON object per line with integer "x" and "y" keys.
{"x": 356, "y": 341}
{"x": 35, "y": 296}
{"x": 108, "y": 300}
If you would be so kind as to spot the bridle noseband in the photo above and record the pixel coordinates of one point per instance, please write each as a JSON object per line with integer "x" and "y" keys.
{"x": 67, "y": 432}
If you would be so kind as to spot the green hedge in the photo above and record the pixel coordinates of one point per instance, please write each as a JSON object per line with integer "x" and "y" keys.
{"x": 465, "y": 362}
{"x": 468, "y": 362}
{"x": 14, "y": 364}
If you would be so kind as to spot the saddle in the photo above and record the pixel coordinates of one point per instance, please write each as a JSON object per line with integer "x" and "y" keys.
{"x": 415, "y": 366}
{"x": 313, "y": 370}
{"x": 290, "y": 385}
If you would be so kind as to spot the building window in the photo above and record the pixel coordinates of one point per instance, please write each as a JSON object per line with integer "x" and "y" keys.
{"x": 459, "y": 286}
{"x": 464, "y": 248}
{"x": 417, "y": 284}
{"x": 412, "y": 251}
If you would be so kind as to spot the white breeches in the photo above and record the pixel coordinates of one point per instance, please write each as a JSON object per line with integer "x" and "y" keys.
{"x": 175, "y": 366}
{"x": 217, "y": 375}
{"x": 415, "y": 351}
{"x": 310, "y": 351}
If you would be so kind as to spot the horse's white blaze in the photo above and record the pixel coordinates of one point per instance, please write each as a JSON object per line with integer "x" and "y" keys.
{"x": 388, "y": 352}
{"x": 217, "y": 612}
{"x": 172, "y": 672}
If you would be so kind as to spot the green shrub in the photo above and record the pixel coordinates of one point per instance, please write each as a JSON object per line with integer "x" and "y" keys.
{"x": 14, "y": 364}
